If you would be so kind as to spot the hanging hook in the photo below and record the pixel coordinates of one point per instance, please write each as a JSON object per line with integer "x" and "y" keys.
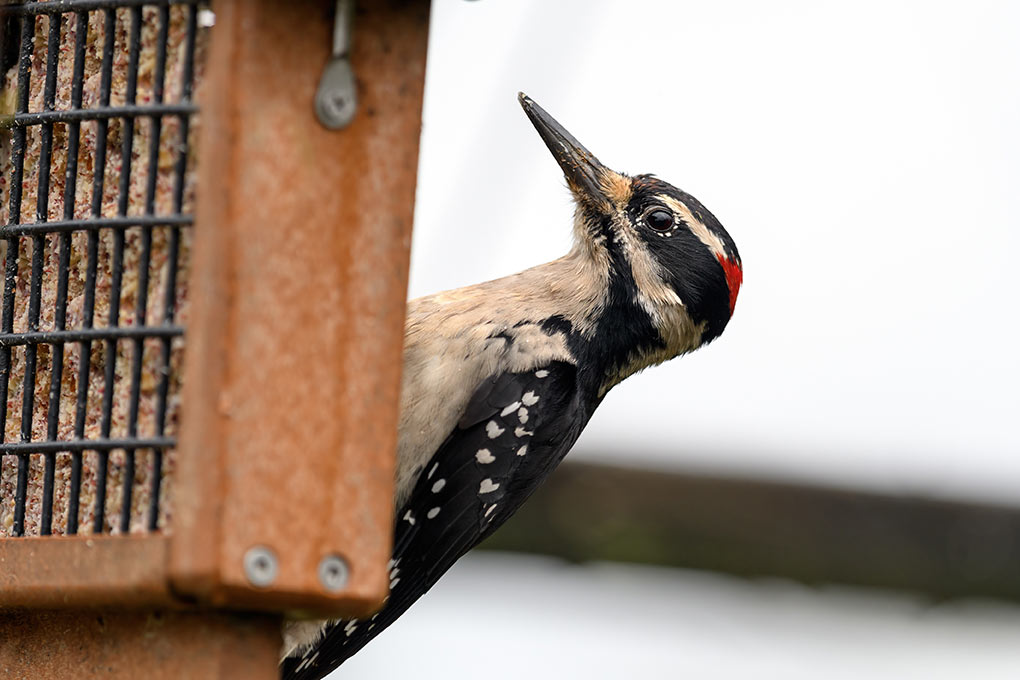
{"x": 337, "y": 97}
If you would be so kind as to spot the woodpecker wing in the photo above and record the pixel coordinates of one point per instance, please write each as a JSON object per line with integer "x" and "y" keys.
{"x": 516, "y": 429}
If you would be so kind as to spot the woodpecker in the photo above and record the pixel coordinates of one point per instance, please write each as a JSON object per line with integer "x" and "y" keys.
{"x": 501, "y": 377}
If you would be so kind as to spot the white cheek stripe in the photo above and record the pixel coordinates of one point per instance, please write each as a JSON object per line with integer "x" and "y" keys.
{"x": 713, "y": 242}
{"x": 652, "y": 289}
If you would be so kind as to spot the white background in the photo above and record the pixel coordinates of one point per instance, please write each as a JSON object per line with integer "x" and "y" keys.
{"x": 497, "y": 617}
{"x": 866, "y": 158}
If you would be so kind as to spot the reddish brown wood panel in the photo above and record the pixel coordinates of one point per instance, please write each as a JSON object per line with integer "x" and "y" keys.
{"x": 77, "y": 571}
{"x": 300, "y": 272}
{"x": 82, "y": 645}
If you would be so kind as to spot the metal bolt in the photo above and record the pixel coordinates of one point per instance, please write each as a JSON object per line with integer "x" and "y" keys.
{"x": 333, "y": 573}
{"x": 260, "y": 566}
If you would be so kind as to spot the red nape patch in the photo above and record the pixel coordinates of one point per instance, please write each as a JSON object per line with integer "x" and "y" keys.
{"x": 734, "y": 277}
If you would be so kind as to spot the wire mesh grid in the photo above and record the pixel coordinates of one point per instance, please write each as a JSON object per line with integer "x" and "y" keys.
{"x": 96, "y": 120}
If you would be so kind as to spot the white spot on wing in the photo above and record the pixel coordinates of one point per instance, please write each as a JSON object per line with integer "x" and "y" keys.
{"x": 309, "y": 660}
{"x": 529, "y": 399}
{"x": 522, "y": 415}
{"x": 409, "y": 518}
{"x": 510, "y": 409}
{"x": 493, "y": 430}
{"x": 431, "y": 514}
{"x": 489, "y": 510}
{"x": 521, "y": 432}
{"x": 438, "y": 486}
{"x": 487, "y": 486}
{"x": 350, "y": 628}
{"x": 523, "y": 450}
{"x": 484, "y": 456}
{"x": 541, "y": 374}
{"x": 433, "y": 470}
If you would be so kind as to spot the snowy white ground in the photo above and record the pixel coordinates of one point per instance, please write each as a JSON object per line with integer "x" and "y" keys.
{"x": 503, "y": 617}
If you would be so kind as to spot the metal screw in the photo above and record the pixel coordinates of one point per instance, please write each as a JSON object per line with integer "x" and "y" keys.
{"x": 260, "y": 566}
{"x": 333, "y": 573}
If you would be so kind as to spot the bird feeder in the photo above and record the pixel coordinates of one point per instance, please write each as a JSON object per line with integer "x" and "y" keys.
{"x": 206, "y": 217}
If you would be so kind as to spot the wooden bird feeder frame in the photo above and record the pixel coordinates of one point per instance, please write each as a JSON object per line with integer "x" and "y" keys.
{"x": 280, "y": 499}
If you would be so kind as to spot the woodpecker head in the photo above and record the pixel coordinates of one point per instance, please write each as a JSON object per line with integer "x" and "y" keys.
{"x": 656, "y": 242}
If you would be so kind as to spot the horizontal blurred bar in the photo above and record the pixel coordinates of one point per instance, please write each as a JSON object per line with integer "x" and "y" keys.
{"x": 77, "y": 335}
{"x": 48, "y": 7}
{"x": 97, "y": 223}
{"x": 12, "y": 448}
{"x": 101, "y": 113}
{"x": 757, "y": 528}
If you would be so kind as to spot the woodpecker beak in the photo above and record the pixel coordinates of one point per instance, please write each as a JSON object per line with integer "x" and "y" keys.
{"x": 590, "y": 181}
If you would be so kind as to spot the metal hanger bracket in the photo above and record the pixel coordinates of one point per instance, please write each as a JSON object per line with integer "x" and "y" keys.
{"x": 336, "y": 100}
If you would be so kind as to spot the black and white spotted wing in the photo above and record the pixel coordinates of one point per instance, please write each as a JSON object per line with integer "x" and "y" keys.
{"x": 515, "y": 430}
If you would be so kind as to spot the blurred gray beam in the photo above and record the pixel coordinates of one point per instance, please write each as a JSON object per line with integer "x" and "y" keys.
{"x": 754, "y": 528}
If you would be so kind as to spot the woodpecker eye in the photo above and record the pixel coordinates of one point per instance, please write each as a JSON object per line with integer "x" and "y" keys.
{"x": 659, "y": 219}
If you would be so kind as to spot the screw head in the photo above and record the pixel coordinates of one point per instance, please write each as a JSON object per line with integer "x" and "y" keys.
{"x": 333, "y": 573}
{"x": 260, "y": 566}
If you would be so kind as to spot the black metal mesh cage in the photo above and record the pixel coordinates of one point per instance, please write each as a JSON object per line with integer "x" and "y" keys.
{"x": 96, "y": 121}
